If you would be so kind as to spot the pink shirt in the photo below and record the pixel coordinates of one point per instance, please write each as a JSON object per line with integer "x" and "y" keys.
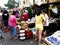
{"x": 12, "y": 20}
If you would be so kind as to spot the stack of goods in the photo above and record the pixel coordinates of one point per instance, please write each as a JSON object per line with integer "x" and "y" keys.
{"x": 22, "y": 34}
{"x": 25, "y": 34}
{"x": 23, "y": 31}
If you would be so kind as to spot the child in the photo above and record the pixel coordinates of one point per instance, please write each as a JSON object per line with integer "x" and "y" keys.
{"x": 12, "y": 25}
{"x": 39, "y": 26}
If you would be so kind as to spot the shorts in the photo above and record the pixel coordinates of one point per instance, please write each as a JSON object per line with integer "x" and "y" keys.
{"x": 39, "y": 27}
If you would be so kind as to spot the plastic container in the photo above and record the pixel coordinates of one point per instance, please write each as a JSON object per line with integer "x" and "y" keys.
{"x": 22, "y": 38}
{"x": 22, "y": 31}
{"x": 22, "y": 34}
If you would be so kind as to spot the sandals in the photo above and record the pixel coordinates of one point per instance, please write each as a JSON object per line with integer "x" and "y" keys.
{"x": 36, "y": 38}
{"x": 14, "y": 38}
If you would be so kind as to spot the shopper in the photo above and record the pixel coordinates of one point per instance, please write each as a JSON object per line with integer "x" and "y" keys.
{"x": 25, "y": 15}
{"x": 12, "y": 23}
{"x": 5, "y": 18}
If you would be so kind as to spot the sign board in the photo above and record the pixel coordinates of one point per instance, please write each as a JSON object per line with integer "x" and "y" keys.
{"x": 53, "y": 39}
{"x": 38, "y": 2}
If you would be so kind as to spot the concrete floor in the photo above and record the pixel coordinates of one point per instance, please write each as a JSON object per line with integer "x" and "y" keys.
{"x": 7, "y": 41}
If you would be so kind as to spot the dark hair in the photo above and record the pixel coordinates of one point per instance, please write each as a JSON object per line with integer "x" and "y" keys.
{"x": 38, "y": 13}
{"x": 5, "y": 12}
{"x": 14, "y": 12}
